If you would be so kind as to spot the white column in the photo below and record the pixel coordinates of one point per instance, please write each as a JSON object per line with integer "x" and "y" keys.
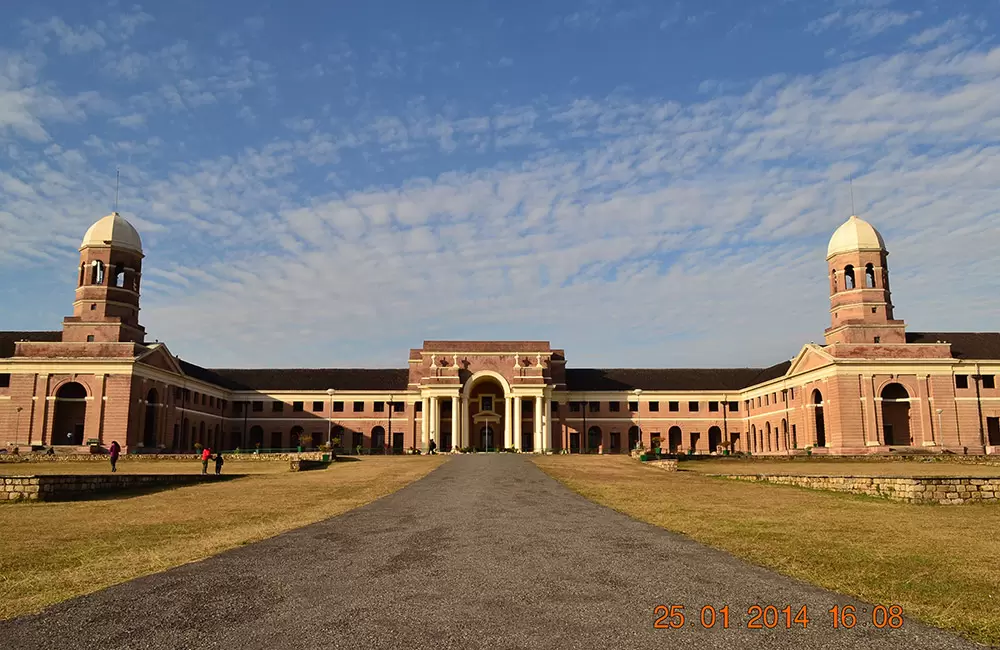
{"x": 508, "y": 437}
{"x": 455, "y": 419}
{"x": 547, "y": 432}
{"x": 433, "y": 403}
{"x": 538, "y": 424}
{"x": 425, "y": 423}
{"x": 517, "y": 424}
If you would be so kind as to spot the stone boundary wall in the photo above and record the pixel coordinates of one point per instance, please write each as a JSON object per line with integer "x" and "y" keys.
{"x": 668, "y": 465}
{"x": 71, "y": 487}
{"x": 303, "y": 464}
{"x": 103, "y": 458}
{"x": 946, "y": 490}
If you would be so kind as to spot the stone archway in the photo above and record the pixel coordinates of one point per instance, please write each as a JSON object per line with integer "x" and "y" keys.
{"x": 714, "y": 439}
{"x": 896, "y": 415}
{"x": 595, "y": 438}
{"x": 70, "y": 414}
{"x": 482, "y": 425}
{"x": 817, "y": 399}
{"x": 675, "y": 438}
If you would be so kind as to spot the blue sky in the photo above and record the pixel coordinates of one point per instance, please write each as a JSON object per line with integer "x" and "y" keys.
{"x": 642, "y": 184}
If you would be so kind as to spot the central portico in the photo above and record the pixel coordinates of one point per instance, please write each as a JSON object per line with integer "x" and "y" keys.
{"x": 486, "y": 394}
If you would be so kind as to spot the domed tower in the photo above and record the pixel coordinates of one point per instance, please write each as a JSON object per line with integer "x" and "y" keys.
{"x": 106, "y": 308}
{"x": 860, "y": 300}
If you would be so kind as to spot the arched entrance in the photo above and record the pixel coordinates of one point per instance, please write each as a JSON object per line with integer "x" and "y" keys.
{"x": 378, "y": 440}
{"x": 674, "y": 438}
{"x": 70, "y": 414}
{"x": 784, "y": 433}
{"x": 149, "y": 429}
{"x": 896, "y": 415}
{"x": 296, "y": 437}
{"x": 256, "y": 436}
{"x": 767, "y": 426}
{"x": 486, "y": 395}
{"x": 820, "y": 423}
{"x": 633, "y": 438}
{"x": 753, "y": 438}
{"x": 594, "y": 439}
{"x": 714, "y": 438}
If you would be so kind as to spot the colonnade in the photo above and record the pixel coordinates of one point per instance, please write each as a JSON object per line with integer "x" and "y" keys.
{"x": 430, "y": 425}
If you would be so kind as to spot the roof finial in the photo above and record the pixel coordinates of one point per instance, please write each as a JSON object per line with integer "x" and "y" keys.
{"x": 118, "y": 175}
{"x": 852, "y": 194}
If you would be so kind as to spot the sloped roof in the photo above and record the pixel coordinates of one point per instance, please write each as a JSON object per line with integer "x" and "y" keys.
{"x": 302, "y": 378}
{"x": 964, "y": 345}
{"x": 9, "y": 339}
{"x": 670, "y": 378}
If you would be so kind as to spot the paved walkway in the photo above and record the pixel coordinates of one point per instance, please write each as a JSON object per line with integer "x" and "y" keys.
{"x": 485, "y": 552}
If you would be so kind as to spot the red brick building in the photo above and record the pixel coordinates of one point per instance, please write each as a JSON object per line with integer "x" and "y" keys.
{"x": 871, "y": 387}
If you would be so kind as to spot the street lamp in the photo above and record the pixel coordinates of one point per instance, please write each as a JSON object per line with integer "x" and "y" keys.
{"x": 329, "y": 419}
{"x": 388, "y": 433}
{"x": 638, "y": 412}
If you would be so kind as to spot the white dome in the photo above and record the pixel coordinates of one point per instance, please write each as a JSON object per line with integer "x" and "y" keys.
{"x": 855, "y": 235}
{"x": 113, "y": 230}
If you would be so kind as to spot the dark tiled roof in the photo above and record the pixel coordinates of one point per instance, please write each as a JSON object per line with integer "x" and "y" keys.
{"x": 670, "y": 378}
{"x": 964, "y": 345}
{"x": 303, "y": 378}
{"x": 8, "y": 339}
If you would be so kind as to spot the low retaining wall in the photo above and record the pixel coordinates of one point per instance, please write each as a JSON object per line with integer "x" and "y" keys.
{"x": 947, "y": 490}
{"x": 668, "y": 465}
{"x": 150, "y": 457}
{"x": 68, "y": 488}
{"x": 303, "y": 464}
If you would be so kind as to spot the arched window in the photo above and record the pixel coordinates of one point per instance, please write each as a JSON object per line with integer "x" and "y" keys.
{"x": 378, "y": 439}
{"x": 753, "y": 437}
{"x": 70, "y": 414}
{"x": 896, "y": 415}
{"x": 594, "y": 438}
{"x": 869, "y": 276}
{"x": 817, "y": 398}
{"x": 97, "y": 272}
{"x": 849, "y": 277}
{"x": 768, "y": 436}
{"x": 119, "y": 277}
{"x": 833, "y": 280}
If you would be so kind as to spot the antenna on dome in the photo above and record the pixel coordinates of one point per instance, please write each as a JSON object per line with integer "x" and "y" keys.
{"x": 852, "y": 195}
{"x": 118, "y": 176}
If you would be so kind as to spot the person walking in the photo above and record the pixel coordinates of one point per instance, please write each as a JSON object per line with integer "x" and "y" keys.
{"x": 205, "y": 455}
{"x": 114, "y": 451}
{"x": 218, "y": 463}
{"x": 432, "y": 447}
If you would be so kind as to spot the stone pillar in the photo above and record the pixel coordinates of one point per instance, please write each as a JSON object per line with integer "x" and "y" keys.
{"x": 433, "y": 403}
{"x": 517, "y": 423}
{"x": 547, "y": 431}
{"x": 508, "y": 431}
{"x": 538, "y": 423}
{"x": 456, "y": 419}
{"x": 425, "y": 423}
{"x": 927, "y": 423}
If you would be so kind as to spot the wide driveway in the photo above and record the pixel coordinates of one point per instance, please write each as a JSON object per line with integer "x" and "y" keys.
{"x": 484, "y": 552}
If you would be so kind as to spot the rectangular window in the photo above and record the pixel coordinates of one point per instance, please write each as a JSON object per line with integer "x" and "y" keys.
{"x": 527, "y": 406}
{"x": 633, "y": 406}
{"x": 4, "y": 379}
{"x": 258, "y": 407}
{"x": 211, "y": 401}
{"x": 961, "y": 381}
{"x": 614, "y": 407}
{"x": 791, "y": 393}
{"x": 397, "y": 407}
{"x": 555, "y": 406}
{"x": 90, "y": 338}
{"x": 203, "y": 400}
{"x": 734, "y": 406}
{"x": 758, "y": 401}
{"x": 988, "y": 381}
{"x": 767, "y": 400}
{"x": 574, "y": 407}
{"x": 379, "y": 407}
{"x": 317, "y": 407}
{"x": 418, "y": 407}
{"x": 359, "y": 406}
{"x": 594, "y": 407}
{"x": 713, "y": 406}
{"x": 277, "y": 407}
{"x": 237, "y": 408}
{"x": 486, "y": 403}
{"x": 774, "y": 398}
{"x": 654, "y": 407}
{"x": 693, "y": 407}
{"x": 673, "y": 407}
{"x": 195, "y": 400}
{"x": 338, "y": 407}
{"x": 297, "y": 407}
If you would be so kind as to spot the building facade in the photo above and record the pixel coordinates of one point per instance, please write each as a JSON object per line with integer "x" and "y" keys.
{"x": 872, "y": 387}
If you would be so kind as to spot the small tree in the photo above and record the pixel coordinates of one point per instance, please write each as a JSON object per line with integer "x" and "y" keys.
{"x": 305, "y": 440}
{"x": 655, "y": 443}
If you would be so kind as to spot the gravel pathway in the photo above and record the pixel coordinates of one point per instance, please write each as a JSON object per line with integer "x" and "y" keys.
{"x": 485, "y": 552}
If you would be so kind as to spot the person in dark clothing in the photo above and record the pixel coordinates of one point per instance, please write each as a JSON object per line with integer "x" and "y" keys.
{"x": 218, "y": 464}
{"x": 433, "y": 447}
{"x": 114, "y": 451}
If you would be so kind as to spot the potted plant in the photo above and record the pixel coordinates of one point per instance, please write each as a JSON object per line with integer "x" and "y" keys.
{"x": 809, "y": 450}
{"x": 654, "y": 443}
{"x": 305, "y": 441}
{"x": 725, "y": 444}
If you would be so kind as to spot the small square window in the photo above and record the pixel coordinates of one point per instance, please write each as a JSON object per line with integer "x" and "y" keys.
{"x": 878, "y": 339}
{"x": 297, "y": 407}
{"x": 379, "y": 407}
{"x": 594, "y": 407}
{"x": 397, "y": 407}
{"x": 633, "y": 406}
{"x": 317, "y": 407}
{"x": 693, "y": 407}
{"x": 359, "y": 406}
{"x": 734, "y": 406}
{"x": 258, "y": 407}
{"x": 93, "y": 306}
{"x": 654, "y": 407}
{"x": 237, "y": 408}
{"x": 90, "y": 338}
{"x": 486, "y": 403}
{"x": 338, "y": 407}
{"x": 574, "y": 407}
{"x": 713, "y": 406}
{"x": 961, "y": 381}
{"x": 277, "y": 407}
{"x": 614, "y": 407}
{"x": 988, "y": 381}
{"x": 673, "y": 406}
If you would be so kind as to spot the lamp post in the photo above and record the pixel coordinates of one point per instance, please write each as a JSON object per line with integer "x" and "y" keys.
{"x": 17, "y": 427}
{"x": 329, "y": 418}
{"x": 939, "y": 412}
{"x": 638, "y": 413}
{"x": 388, "y": 432}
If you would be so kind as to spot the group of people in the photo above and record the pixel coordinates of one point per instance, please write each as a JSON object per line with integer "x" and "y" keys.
{"x": 115, "y": 450}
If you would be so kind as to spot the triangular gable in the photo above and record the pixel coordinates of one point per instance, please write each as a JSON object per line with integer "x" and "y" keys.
{"x": 810, "y": 357}
{"x": 160, "y": 357}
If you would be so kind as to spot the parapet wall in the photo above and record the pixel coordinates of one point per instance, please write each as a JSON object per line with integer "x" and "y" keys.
{"x": 948, "y": 490}
{"x": 68, "y": 488}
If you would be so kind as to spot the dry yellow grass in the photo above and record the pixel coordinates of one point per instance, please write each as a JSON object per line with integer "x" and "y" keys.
{"x": 938, "y": 562}
{"x": 832, "y": 467}
{"x": 55, "y": 551}
{"x": 125, "y": 466}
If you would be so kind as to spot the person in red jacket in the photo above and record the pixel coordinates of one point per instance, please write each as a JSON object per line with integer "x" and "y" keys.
{"x": 114, "y": 451}
{"x": 206, "y": 454}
